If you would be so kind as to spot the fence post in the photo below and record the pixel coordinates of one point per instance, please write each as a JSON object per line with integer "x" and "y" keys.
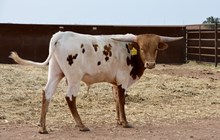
{"x": 216, "y": 48}
{"x": 186, "y": 33}
{"x": 199, "y": 43}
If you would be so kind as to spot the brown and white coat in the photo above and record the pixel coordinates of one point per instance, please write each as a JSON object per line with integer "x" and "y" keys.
{"x": 94, "y": 59}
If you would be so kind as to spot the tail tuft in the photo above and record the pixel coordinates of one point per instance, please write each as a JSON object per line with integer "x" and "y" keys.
{"x": 21, "y": 61}
{"x": 16, "y": 58}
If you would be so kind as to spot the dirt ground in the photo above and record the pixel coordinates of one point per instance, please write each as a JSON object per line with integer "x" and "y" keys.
{"x": 196, "y": 130}
{"x": 169, "y": 102}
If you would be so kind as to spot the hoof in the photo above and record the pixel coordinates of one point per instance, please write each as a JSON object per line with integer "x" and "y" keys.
{"x": 127, "y": 126}
{"x": 42, "y": 131}
{"x": 124, "y": 125}
{"x": 82, "y": 128}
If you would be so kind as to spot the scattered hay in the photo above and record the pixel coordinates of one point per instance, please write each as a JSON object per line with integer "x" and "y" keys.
{"x": 169, "y": 93}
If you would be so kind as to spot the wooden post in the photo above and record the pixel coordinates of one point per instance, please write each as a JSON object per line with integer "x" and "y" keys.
{"x": 186, "y": 32}
{"x": 216, "y": 48}
{"x": 199, "y": 43}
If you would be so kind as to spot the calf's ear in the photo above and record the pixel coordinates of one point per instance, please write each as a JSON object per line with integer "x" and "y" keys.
{"x": 162, "y": 46}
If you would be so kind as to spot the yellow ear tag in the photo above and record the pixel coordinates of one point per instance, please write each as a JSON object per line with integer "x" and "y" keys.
{"x": 133, "y": 51}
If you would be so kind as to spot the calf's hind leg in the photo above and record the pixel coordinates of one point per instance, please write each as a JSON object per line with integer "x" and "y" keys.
{"x": 72, "y": 90}
{"x": 44, "y": 108}
{"x": 54, "y": 76}
{"x": 46, "y": 97}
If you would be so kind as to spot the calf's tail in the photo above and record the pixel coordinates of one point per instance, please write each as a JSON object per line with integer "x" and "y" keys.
{"x": 53, "y": 43}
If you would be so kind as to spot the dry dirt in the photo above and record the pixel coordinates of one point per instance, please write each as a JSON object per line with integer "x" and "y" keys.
{"x": 169, "y": 102}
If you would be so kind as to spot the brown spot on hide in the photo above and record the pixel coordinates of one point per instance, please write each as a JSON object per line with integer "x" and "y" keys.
{"x": 110, "y": 54}
{"x": 107, "y": 48}
{"x": 107, "y": 51}
{"x": 83, "y": 50}
{"x": 137, "y": 66}
{"x": 99, "y": 63}
{"x": 75, "y": 56}
{"x": 106, "y": 59}
{"x": 135, "y": 61}
{"x": 95, "y": 46}
{"x": 70, "y": 58}
{"x": 55, "y": 43}
{"x": 128, "y": 61}
{"x": 128, "y": 48}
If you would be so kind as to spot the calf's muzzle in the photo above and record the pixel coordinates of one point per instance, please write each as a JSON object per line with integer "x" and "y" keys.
{"x": 149, "y": 65}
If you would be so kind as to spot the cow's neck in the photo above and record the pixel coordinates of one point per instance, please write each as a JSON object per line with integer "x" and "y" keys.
{"x": 137, "y": 66}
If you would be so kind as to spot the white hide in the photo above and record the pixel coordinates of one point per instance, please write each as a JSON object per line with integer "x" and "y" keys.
{"x": 85, "y": 67}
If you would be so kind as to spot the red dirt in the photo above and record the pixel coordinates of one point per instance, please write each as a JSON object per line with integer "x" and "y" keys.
{"x": 197, "y": 130}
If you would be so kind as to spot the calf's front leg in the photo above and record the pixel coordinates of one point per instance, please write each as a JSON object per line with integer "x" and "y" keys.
{"x": 115, "y": 95}
{"x": 120, "y": 103}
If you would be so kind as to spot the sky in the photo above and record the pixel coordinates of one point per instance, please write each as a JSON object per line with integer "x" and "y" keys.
{"x": 108, "y": 12}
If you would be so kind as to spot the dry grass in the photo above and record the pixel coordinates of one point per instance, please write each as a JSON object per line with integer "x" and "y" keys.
{"x": 168, "y": 94}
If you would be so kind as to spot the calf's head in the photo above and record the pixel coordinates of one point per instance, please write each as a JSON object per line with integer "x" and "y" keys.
{"x": 147, "y": 46}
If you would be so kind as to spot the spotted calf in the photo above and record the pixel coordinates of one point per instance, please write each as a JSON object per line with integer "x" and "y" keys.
{"x": 116, "y": 59}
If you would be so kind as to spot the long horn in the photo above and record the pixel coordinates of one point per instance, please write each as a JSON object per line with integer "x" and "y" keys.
{"x": 125, "y": 38}
{"x": 169, "y": 39}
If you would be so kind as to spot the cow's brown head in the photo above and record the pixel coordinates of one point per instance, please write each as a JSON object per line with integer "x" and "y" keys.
{"x": 147, "y": 46}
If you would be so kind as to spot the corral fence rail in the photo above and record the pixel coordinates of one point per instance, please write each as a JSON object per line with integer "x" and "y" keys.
{"x": 31, "y": 41}
{"x": 202, "y": 43}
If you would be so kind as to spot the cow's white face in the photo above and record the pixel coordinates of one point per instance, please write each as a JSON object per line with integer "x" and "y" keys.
{"x": 149, "y": 45}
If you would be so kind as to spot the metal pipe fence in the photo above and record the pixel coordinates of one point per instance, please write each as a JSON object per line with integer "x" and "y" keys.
{"x": 202, "y": 43}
